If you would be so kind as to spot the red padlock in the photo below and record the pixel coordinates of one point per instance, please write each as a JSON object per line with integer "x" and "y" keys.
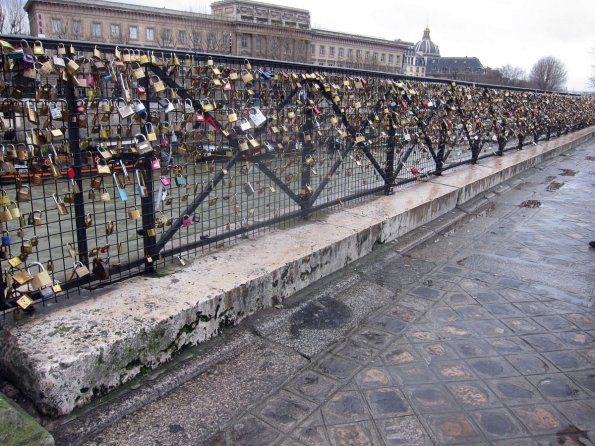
{"x": 414, "y": 171}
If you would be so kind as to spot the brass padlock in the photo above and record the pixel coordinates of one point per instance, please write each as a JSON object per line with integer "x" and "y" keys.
{"x": 26, "y": 246}
{"x": 79, "y": 270}
{"x": 60, "y": 205}
{"x": 134, "y": 214}
{"x": 5, "y": 215}
{"x": 41, "y": 279}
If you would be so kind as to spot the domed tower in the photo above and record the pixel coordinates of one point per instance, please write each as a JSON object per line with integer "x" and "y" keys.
{"x": 425, "y": 47}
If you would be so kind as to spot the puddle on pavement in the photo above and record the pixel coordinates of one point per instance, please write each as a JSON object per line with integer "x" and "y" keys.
{"x": 567, "y": 172}
{"x": 554, "y": 186}
{"x": 530, "y": 204}
{"x": 323, "y": 314}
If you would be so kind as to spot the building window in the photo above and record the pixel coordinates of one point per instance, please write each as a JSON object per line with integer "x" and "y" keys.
{"x": 341, "y": 52}
{"x": 150, "y": 34}
{"x": 96, "y": 29}
{"x": 115, "y": 31}
{"x": 398, "y": 60}
{"x": 167, "y": 36}
{"x": 375, "y": 57}
{"x": 312, "y": 49}
{"x": 382, "y": 57}
{"x": 244, "y": 41}
{"x": 56, "y": 26}
{"x": 331, "y": 51}
{"x": 367, "y": 56}
{"x": 181, "y": 37}
{"x": 258, "y": 43}
{"x": 211, "y": 41}
{"x": 321, "y": 50}
{"x": 390, "y": 58}
{"x": 77, "y": 27}
{"x": 358, "y": 54}
{"x": 133, "y": 32}
{"x": 349, "y": 53}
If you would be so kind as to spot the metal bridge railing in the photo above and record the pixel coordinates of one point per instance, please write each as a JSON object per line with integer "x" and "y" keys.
{"x": 115, "y": 160}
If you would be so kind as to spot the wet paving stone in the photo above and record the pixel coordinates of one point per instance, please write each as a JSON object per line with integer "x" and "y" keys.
{"x": 356, "y": 434}
{"x": 313, "y": 386}
{"x": 445, "y": 314}
{"x": 285, "y": 410}
{"x": 473, "y": 348}
{"x": 416, "y": 373}
{"x": 556, "y": 387}
{"x": 336, "y": 367}
{"x": 437, "y": 350}
{"x": 356, "y": 350}
{"x": 529, "y": 364}
{"x": 387, "y": 402}
{"x": 488, "y": 297}
{"x": 473, "y": 312}
{"x": 431, "y": 398}
{"x": 555, "y": 322}
{"x": 452, "y": 370}
{"x": 586, "y": 379}
{"x": 580, "y": 413}
{"x": 459, "y": 299}
{"x": 400, "y": 354}
{"x": 540, "y": 419}
{"x": 403, "y": 313}
{"x": 524, "y": 325}
{"x": 503, "y": 310}
{"x": 498, "y": 423}
{"x": 533, "y": 308}
{"x": 345, "y": 407}
{"x": 544, "y": 342}
{"x": 426, "y": 293}
{"x": 575, "y": 338}
{"x": 251, "y": 431}
{"x": 420, "y": 335}
{"x": 373, "y": 377}
{"x": 373, "y": 338}
{"x": 387, "y": 323}
{"x": 490, "y": 328}
{"x": 510, "y": 345}
{"x": 473, "y": 394}
{"x": 583, "y": 321}
{"x": 512, "y": 295}
{"x": 454, "y": 429}
{"x": 403, "y": 431}
{"x": 314, "y": 436}
{"x": 568, "y": 360}
{"x": 515, "y": 391}
{"x": 492, "y": 368}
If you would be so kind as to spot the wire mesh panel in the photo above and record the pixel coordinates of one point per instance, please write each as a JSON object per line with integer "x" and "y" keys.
{"x": 114, "y": 160}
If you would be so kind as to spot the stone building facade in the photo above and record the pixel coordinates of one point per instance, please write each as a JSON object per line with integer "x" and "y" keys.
{"x": 238, "y": 27}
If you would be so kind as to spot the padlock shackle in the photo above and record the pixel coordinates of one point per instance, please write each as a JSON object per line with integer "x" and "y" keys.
{"x": 41, "y": 267}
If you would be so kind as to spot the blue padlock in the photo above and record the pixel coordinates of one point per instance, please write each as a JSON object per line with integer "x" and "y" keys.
{"x": 6, "y": 238}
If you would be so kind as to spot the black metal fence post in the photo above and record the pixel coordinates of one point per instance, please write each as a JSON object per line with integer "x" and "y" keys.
{"x": 77, "y": 162}
{"x": 389, "y": 179}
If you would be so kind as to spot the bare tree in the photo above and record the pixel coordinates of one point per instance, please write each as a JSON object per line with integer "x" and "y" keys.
{"x": 548, "y": 73}
{"x": 13, "y": 18}
{"x": 512, "y": 75}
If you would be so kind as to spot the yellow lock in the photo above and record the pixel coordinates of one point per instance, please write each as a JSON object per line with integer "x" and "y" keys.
{"x": 134, "y": 214}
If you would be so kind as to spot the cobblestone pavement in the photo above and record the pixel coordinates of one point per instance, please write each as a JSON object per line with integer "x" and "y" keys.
{"x": 482, "y": 335}
{"x": 494, "y": 345}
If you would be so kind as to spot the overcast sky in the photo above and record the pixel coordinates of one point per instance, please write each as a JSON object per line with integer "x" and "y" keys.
{"x": 498, "y": 32}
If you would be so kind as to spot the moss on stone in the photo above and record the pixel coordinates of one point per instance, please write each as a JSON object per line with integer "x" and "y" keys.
{"x": 17, "y": 428}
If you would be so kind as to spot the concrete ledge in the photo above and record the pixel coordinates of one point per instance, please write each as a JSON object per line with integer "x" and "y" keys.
{"x": 64, "y": 358}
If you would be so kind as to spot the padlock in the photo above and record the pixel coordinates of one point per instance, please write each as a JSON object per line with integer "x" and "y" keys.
{"x": 41, "y": 279}
{"x": 186, "y": 221}
{"x": 151, "y": 232}
{"x": 138, "y": 72}
{"x": 88, "y": 219}
{"x": 165, "y": 181}
{"x": 143, "y": 192}
{"x": 121, "y": 187}
{"x": 247, "y": 77}
{"x": 4, "y": 198}
{"x": 157, "y": 84}
{"x": 26, "y": 246}
{"x": 180, "y": 179}
{"x": 232, "y": 116}
{"x": 150, "y": 131}
{"x": 155, "y": 163}
{"x": 256, "y": 117}
{"x": 6, "y": 238}
{"x": 101, "y": 268}
{"x": 79, "y": 270}
{"x": 206, "y": 105}
{"x": 60, "y": 205}
{"x": 5, "y": 215}
{"x": 97, "y": 182}
{"x": 104, "y": 195}
{"x": 22, "y": 277}
{"x": 245, "y": 125}
{"x": 124, "y": 109}
{"x": 166, "y": 104}
{"x": 134, "y": 214}
{"x": 139, "y": 107}
{"x": 243, "y": 144}
{"x": 142, "y": 145}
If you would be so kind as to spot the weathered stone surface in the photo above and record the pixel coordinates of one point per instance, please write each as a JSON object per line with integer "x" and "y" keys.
{"x": 63, "y": 358}
{"x": 20, "y": 429}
